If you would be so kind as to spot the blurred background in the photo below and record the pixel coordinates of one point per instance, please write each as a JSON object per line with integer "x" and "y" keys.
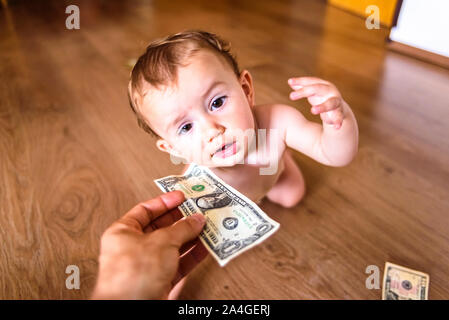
{"x": 73, "y": 160}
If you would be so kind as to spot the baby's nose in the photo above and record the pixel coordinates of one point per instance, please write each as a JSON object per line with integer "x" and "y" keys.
{"x": 212, "y": 131}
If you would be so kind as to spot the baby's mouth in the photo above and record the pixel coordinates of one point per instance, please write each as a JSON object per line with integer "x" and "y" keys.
{"x": 226, "y": 150}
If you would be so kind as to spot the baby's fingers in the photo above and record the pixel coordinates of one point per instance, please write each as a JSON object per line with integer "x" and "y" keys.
{"x": 305, "y": 81}
{"x": 328, "y": 105}
{"x": 319, "y": 89}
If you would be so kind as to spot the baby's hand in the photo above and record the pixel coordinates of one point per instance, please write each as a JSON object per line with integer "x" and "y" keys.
{"x": 322, "y": 95}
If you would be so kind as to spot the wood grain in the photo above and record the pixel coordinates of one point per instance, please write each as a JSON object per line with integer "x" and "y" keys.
{"x": 72, "y": 159}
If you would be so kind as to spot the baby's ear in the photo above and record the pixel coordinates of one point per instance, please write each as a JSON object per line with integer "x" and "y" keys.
{"x": 164, "y": 146}
{"x": 246, "y": 81}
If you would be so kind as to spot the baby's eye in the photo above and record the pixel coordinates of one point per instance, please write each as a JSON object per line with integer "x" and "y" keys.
{"x": 185, "y": 128}
{"x": 218, "y": 103}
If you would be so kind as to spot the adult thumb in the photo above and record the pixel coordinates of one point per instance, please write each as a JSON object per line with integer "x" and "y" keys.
{"x": 186, "y": 229}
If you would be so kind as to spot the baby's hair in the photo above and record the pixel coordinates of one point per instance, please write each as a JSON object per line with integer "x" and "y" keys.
{"x": 158, "y": 65}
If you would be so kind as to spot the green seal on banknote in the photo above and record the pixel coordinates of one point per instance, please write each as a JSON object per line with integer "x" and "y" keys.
{"x": 198, "y": 187}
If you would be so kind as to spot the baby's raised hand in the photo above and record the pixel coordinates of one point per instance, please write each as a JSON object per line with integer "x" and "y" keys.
{"x": 324, "y": 97}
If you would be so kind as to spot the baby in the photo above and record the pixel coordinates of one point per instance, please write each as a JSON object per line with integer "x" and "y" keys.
{"x": 188, "y": 91}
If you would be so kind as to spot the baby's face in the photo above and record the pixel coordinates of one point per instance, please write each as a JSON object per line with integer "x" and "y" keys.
{"x": 207, "y": 109}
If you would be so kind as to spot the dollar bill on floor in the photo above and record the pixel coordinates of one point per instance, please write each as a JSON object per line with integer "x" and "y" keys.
{"x": 234, "y": 223}
{"x": 401, "y": 283}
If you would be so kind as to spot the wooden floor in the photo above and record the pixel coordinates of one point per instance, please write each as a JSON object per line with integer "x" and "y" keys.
{"x": 72, "y": 159}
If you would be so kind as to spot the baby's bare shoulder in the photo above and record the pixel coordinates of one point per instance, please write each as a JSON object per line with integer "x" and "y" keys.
{"x": 274, "y": 115}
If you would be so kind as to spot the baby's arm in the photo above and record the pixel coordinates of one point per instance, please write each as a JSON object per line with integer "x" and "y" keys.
{"x": 335, "y": 142}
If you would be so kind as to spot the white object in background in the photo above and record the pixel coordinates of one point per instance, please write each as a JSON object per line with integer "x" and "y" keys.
{"x": 423, "y": 25}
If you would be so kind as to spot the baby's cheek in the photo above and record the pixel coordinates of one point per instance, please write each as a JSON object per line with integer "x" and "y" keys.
{"x": 194, "y": 152}
{"x": 244, "y": 120}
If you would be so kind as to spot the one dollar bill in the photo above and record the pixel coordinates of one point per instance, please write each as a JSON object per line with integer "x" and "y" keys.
{"x": 234, "y": 223}
{"x": 402, "y": 283}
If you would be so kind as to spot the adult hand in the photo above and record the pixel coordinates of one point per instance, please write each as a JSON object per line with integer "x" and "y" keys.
{"x": 143, "y": 254}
